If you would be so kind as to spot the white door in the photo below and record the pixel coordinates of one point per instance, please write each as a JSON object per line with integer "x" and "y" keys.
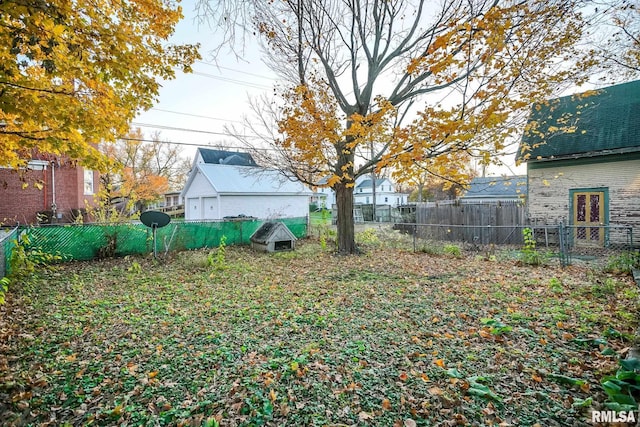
{"x": 193, "y": 208}
{"x": 210, "y": 208}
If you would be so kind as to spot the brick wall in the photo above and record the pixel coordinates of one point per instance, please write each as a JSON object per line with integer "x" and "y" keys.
{"x": 18, "y": 204}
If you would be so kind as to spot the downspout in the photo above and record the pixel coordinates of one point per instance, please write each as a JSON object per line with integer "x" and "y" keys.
{"x": 54, "y": 207}
{"x": 44, "y": 188}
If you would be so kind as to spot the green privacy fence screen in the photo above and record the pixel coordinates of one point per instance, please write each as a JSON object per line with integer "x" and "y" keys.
{"x": 7, "y": 238}
{"x": 91, "y": 241}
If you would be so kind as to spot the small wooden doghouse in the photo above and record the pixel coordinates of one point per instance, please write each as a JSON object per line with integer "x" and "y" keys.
{"x": 273, "y": 237}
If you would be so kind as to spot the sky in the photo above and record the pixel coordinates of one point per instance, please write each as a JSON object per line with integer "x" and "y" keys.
{"x": 215, "y": 94}
{"x": 192, "y": 109}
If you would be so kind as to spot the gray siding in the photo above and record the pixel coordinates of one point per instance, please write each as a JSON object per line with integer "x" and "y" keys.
{"x": 548, "y": 196}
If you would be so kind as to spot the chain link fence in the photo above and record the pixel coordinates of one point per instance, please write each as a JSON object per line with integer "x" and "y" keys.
{"x": 92, "y": 241}
{"x": 566, "y": 243}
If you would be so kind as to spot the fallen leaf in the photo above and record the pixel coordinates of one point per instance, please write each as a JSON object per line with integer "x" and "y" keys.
{"x": 435, "y": 391}
{"x": 364, "y": 416}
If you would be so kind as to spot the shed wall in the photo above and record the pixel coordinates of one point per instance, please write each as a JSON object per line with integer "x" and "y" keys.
{"x": 264, "y": 206}
{"x": 548, "y": 196}
{"x": 200, "y": 187}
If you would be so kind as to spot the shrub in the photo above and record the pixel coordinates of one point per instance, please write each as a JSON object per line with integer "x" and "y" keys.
{"x": 368, "y": 237}
{"x": 623, "y": 263}
{"x": 217, "y": 259}
{"x": 453, "y": 250}
{"x": 529, "y": 254}
{"x": 430, "y": 248}
{"x": 26, "y": 261}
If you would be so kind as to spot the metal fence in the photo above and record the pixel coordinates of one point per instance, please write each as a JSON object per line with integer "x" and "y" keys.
{"x": 567, "y": 243}
{"x": 7, "y": 237}
{"x": 91, "y": 241}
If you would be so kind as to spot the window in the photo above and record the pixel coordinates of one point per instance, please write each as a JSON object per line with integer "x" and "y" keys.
{"x": 88, "y": 182}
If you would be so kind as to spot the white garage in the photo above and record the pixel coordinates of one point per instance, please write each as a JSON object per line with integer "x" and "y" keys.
{"x": 215, "y": 191}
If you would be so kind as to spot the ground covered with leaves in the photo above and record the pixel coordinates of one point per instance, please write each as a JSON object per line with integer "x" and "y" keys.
{"x": 389, "y": 338}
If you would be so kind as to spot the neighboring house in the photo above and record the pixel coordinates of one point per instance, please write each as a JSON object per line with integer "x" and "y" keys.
{"x": 363, "y": 193}
{"x": 493, "y": 189}
{"x": 171, "y": 204}
{"x": 233, "y": 185}
{"x": 223, "y": 157}
{"x": 385, "y": 192}
{"x": 583, "y": 161}
{"x": 325, "y": 196}
{"x": 171, "y": 199}
{"x": 58, "y": 190}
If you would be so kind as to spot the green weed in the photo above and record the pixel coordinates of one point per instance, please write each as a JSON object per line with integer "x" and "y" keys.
{"x": 452, "y": 250}
{"x": 217, "y": 259}
{"x": 623, "y": 263}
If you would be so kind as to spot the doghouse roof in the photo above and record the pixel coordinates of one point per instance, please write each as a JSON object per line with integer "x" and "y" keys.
{"x": 272, "y": 231}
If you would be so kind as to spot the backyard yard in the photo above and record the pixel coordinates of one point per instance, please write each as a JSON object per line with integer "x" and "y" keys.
{"x": 388, "y": 338}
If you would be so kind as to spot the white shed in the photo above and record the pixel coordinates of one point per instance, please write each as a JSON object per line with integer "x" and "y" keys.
{"x": 215, "y": 191}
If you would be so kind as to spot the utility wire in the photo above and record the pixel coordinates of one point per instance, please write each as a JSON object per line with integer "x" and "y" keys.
{"x": 209, "y": 132}
{"x": 234, "y": 81}
{"x": 196, "y": 115}
{"x": 235, "y": 70}
{"x": 193, "y": 144}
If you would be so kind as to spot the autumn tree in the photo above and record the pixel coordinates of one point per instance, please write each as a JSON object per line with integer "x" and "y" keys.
{"x": 614, "y": 37}
{"x": 143, "y": 169}
{"x": 75, "y": 73}
{"x": 439, "y": 181}
{"x": 415, "y": 80}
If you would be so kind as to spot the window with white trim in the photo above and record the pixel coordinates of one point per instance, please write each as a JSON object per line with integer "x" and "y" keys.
{"x": 88, "y": 182}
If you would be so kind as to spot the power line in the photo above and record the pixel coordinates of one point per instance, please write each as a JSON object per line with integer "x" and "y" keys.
{"x": 235, "y": 70}
{"x": 193, "y": 144}
{"x": 234, "y": 81}
{"x": 196, "y": 115}
{"x": 209, "y": 132}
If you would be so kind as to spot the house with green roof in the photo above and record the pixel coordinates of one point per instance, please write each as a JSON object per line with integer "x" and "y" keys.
{"x": 583, "y": 161}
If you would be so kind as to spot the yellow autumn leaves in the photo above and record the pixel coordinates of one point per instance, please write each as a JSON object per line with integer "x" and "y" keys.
{"x": 74, "y": 74}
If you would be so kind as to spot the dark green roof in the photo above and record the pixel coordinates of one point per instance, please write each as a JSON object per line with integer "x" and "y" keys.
{"x": 592, "y": 123}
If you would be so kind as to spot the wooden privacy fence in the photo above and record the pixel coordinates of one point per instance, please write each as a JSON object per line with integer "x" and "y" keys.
{"x": 481, "y": 223}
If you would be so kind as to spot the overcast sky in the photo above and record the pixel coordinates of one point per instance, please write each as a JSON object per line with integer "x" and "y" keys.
{"x": 215, "y": 94}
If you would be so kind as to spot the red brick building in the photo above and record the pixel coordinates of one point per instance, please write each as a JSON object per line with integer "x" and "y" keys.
{"x": 48, "y": 190}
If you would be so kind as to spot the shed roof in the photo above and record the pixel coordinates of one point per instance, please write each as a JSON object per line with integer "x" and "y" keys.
{"x": 228, "y": 179}
{"x": 591, "y": 123}
{"x": 224, "y": 157}
{"x": 497, "y": 187}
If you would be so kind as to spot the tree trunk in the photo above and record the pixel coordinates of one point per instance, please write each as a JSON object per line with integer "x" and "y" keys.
{"x": 346, "y": 230}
